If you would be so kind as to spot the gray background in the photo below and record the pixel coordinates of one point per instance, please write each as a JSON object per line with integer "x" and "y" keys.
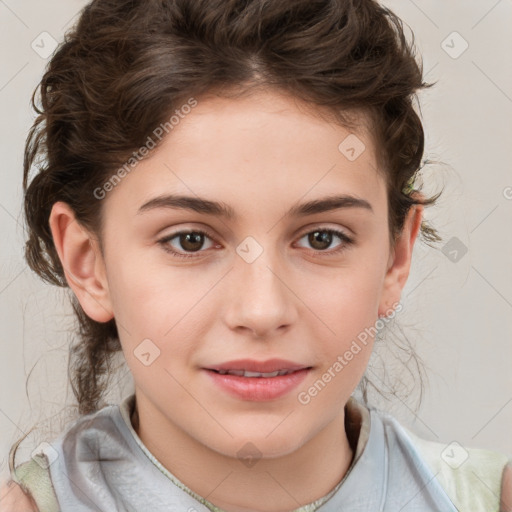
{"x": 459, "y": 312}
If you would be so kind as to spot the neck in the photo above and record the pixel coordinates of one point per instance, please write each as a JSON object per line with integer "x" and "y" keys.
{"x": 271, "y": 484}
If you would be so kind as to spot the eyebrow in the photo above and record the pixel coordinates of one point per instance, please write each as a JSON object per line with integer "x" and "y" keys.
{"x": 219, "y": 209}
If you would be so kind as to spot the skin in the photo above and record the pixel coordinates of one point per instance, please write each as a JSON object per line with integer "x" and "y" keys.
{"x": 260, "y": 154}
{"x": 13, "y": 499}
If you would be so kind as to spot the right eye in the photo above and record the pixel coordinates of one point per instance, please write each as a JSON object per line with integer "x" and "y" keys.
{"x": 191, "y": 240}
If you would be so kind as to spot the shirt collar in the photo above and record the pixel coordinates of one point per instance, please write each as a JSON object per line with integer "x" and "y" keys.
{"x": 366, "y": 472}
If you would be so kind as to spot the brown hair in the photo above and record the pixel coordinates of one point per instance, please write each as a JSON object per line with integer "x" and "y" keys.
{"x": 129, "y": 64}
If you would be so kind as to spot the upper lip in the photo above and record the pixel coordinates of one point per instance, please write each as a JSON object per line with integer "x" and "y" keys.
{"x": 251, "y": 365}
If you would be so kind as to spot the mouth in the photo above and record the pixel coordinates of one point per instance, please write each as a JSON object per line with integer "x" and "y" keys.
{"x": 246, "y": 373}
{"x": 253, "y": 368}
{"x": 257, "y": 380}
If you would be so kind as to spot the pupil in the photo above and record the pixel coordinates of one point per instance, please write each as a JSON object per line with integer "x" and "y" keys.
{"x": 190, "y": 239}
{"x": 323, "y": 237}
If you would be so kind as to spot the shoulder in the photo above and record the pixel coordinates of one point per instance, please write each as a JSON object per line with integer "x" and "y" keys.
{"x": 32, "y": 481}
{"x": 14, "y": 499}
{"x": 474, "y": 478}
{"x": 506, "y": 489}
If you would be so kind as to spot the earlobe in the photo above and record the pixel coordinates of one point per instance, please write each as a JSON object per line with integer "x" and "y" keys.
{"x": 82, "y": 261}
{"x": 400, "y": 260}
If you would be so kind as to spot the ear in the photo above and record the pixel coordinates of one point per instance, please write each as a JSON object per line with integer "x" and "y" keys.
{"x": 399, "y": 262}
{"x": 82, "y": 261}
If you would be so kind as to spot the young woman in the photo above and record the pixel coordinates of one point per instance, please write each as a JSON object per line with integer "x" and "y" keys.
{"x": 227, "y": 187}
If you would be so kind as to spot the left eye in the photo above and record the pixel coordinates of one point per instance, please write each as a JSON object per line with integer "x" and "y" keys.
{"x": 321, "y": 239}
{"x": 193, "y": 241}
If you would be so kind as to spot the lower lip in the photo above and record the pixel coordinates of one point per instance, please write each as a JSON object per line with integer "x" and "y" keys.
{"x": 258, "y": 389}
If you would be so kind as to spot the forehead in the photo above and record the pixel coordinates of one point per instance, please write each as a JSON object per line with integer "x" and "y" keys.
{"x": 266, "y": 145}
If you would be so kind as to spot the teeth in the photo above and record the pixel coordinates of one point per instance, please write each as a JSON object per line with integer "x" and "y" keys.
{"x": 258, "y": 374}
{"x": 244, "y": 373}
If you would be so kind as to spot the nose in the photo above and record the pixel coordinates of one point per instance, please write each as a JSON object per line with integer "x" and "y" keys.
{"x": 261, "y": 295}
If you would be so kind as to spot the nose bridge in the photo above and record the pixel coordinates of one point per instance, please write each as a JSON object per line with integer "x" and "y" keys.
{"x": 258, "y": 264}
{"x": 262, "y": 301}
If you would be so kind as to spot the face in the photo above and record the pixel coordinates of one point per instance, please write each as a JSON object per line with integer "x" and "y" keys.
{"x": 192, "y": 289}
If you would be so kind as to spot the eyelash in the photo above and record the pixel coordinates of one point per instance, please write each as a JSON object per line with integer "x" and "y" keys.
{"x": 347, "y": 241}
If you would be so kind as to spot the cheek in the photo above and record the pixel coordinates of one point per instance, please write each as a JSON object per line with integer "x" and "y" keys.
{"x": 150, "y": 298}
{"x": 347, "y": 300}
{"x": 348, "y": 308}
{"x": 158, "y": 311}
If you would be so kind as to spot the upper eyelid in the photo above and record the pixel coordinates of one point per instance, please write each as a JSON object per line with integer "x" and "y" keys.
{"x": 321, "y": 227}
{"x": 301, "y": 232}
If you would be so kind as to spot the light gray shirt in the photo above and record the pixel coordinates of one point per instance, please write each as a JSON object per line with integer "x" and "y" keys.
{"x": 100, "y": 464}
